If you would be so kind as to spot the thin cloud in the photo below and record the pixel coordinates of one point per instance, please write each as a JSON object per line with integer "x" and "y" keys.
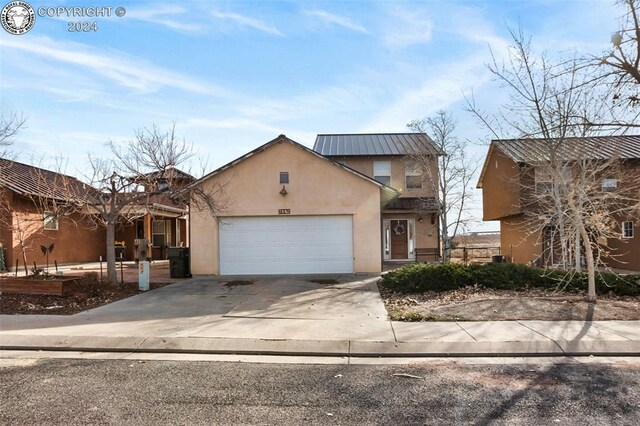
{"x": 407, "y": 28}
{"x": 165, "y": 15}
{"x": 124, "y": 70}
{"x": 246, "y": 21}
{"x": 341, "y": 21}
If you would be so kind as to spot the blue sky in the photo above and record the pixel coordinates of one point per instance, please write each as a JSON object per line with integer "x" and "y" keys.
{"x": 234, "y": 75}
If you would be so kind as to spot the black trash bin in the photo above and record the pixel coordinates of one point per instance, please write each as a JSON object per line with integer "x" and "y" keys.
{"x": 179, "y": 265}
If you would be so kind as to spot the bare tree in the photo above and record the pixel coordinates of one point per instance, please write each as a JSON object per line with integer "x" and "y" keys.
{"x": 549, "y": 111}
{"x": 448, "y": 176}
{"x": 136, "y": 174}
{"x": 615, "y": 73}
{"x": 10, "y": 125}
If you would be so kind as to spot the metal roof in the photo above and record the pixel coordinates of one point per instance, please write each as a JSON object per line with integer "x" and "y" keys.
{"x": 414, "y": 204}
{"x": 372, "y": 144}
{"x": 592, "y": 148}
{"x": 529, "y": 151}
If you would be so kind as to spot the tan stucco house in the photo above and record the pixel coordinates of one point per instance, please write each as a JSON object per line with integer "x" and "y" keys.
{"x": 288, "y": 209}
{"x": 510, "y": 183}
{"x": 410, "y": 222}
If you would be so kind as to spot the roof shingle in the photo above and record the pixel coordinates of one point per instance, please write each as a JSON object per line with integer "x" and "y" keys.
{"x": 34, "y": 181}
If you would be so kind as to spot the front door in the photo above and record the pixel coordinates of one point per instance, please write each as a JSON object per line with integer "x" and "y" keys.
{"x": 399, "y": 240}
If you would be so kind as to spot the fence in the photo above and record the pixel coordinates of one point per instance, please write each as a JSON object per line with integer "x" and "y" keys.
{"x": 475, "y": 254}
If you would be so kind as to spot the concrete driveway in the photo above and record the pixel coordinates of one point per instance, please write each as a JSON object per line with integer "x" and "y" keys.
{"x": 336, "y": 307}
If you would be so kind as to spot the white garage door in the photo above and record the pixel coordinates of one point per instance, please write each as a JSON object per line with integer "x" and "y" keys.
{"x": 286, "y": 245}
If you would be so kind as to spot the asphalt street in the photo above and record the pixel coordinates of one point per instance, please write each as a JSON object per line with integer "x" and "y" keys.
{"x": 151, "y": 392}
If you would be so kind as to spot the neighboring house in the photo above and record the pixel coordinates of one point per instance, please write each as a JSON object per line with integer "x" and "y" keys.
{"x": 34, "y": 213}
{"x": 510, "y": 174}
{"x": 409, "y": 223}
{"x": 162, "y": 220}
{"x": 287, "y": 209}
{"x": 30, "y": 198}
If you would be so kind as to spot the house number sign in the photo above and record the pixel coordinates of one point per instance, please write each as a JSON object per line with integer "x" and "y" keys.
{"x": 284, "y": 211}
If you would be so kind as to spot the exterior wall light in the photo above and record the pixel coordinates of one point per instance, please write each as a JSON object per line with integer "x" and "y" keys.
{"x": 283, "y": 191}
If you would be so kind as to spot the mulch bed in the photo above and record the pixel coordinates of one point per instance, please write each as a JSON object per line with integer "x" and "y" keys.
{"x": 482, "y": 304}
{"x": 88, "y": 294}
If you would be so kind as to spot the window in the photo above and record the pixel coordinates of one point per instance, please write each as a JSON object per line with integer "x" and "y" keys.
{"x": 609, "y": 184}
{"x": 543, "y": 181}
{"x": 382, "y": 172}
{"x": 284, "y": 177}
{"x": 158, "y": 233}
{"x": 413, "y": 176}
{"x": 627, "y": 229}
{"x": 50, "y": 221}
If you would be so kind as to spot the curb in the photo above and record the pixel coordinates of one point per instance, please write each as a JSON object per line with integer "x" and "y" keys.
{"x": 331, "y": 348}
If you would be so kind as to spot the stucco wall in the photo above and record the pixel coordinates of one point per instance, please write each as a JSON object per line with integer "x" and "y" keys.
{"x": 516, "y": 241}
{"x": 317, "y": 187}
{"x": 500, "y": 187}
{"x": 364, "y": 165}
{"x": 625, "y": 253}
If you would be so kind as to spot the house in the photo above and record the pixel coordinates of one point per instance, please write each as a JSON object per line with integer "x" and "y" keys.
{"x": 410, "y": 221}
{"x": 30, "y": 201}
{"x": 513, "y": 174}
{"x": 288, "y": 209}
{"x": 34, "y": 212}
{"x": 160, "y": 222}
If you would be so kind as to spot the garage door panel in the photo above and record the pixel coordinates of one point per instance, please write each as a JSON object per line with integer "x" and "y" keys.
{"x": 280, "y": 245}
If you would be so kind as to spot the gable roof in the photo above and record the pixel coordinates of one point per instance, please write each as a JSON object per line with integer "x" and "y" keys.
{"x": 592, "y": 148}
{"x": 170, "y": 173}
{"x": 27, "y": 180}
{"x": 283, "y": 138}
{"x": 373, "y": 144}
{"x": 527, "y": 151}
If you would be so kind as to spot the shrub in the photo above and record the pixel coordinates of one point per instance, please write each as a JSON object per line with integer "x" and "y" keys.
{"x": 421, "y": 277}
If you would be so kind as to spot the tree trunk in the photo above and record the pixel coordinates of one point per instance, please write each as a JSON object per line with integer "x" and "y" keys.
{"x": 444, "y": 233}
{"x": 591, "y": 267}
{"x": 111, "y": 253}
{"x": 23, "y": 249}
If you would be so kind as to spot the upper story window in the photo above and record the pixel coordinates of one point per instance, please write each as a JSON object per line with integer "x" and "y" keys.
{"x": 544, "y": 179}
{"x": 413, "y": 176}
{"x": 50, "y": 221}
{"x": 284, "y": 177}
{"x": 382, "y": 172}
{"x": 609, "y": 184}
{"x": 627, "y": 229}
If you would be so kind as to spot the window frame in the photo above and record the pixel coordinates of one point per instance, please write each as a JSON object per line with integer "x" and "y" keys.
{"x": 412, "y": 171}
{"x": 385, "y": 165}
{"x": 154, "y": 233}
{"x": 609, "y": 187}
{"x": 50, "y": 217}
{"x": 624, "y": 229}
{"x": 284, "y": 175}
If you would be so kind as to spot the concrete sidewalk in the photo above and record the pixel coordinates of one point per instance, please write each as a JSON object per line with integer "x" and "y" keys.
{"x": 511, "y": 338}
{"x": 335, "y": 316}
